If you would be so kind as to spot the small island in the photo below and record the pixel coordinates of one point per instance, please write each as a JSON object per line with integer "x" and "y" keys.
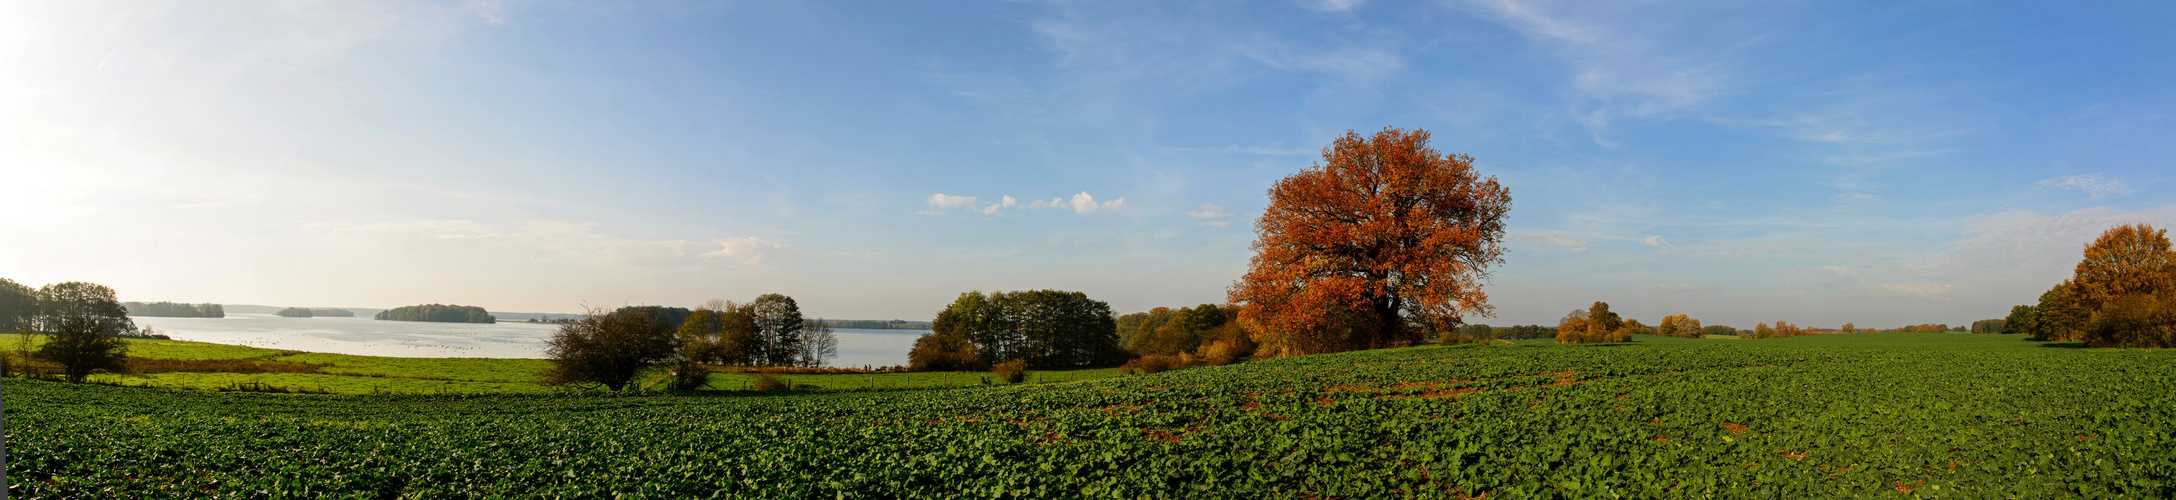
{"x": 438, "y": 313}
{"x": 175, "y": 310}
{"x": 295, "y": 312}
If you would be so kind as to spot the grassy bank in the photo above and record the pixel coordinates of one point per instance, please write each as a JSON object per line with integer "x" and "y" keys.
{"x": 225, "y": 367}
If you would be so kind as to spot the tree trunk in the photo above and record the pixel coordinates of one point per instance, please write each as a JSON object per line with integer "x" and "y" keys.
{"x": 1388, "y": 328}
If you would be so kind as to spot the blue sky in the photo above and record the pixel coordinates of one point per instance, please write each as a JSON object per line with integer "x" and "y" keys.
{"x": 1881, "y": 163}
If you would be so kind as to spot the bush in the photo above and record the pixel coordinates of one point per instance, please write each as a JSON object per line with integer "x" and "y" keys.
{"x": 943, "y": 352}
{"x": 768, "y": 382}
{"x": 1151, "y": 364}
{"x": 1012, "y": 372}
{"x": 2134, "y": 321}
{"x": 1222, "y": 352}
{"x": 608, "y": 349}
{"x": 81, "y": 345}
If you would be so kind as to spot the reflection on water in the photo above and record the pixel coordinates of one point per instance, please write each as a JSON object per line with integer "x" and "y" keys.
{"x": 414, "y": 339}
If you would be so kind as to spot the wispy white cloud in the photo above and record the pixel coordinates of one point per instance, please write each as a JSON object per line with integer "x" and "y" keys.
{"x": 1683, "y": 287}
{"x": 1922, "y": 290}
{"x": 1548, "y": 241}
{"x": 860, "y": 255}
{"x": 2023, "y": 250}
{"x": 1252, "y": 150}
{"x": 2094, "y": 185}
{"x": 1331, "y": 5}
{"x": 1616, "y": 72}
{"x": 941, "y": 200}
{"x": 1826, "y": 276}
{"x": 551, "y": 241}
{"x": 1084, "y": 203}
{"x": 749, "y": 250}
{"x": 1353, "y": 65}
{"x": 1081, "y": 203}
{"x": 1209, "y": 211}
{"x": 1855, "y": 198}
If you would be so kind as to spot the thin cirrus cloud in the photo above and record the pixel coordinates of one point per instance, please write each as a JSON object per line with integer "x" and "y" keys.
{"x": 1547, "y": 241}
{"x": 2094, "y": 185}
{"x": 1211, "y": 215}
{"x": 1079, "y": 203}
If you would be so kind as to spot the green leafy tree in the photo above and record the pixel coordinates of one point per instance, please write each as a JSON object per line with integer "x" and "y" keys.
{"x": 1183, "y": 330}
{"x": 82, "y": 345}
{"x": 1047, "y": 328}
{"x": 1723, "y": 330}
{"x": 1467, "y": 333}
{"x": 1528, "y": 332}
{"x": 2021, "y": 320}
{"x": 2059, "y": 317}
{"x": 84, "y": 324}
{"x": 778, "y": 330}
{"x": 1136, "y": 325}
{"x": 18, "y": 305}
{"x": 1762, "y": 331}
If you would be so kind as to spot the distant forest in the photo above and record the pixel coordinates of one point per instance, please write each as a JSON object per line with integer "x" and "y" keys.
{"x": 174, "y": 310}
{"x": 304, "y": 312}
{"x": 878, "y": 324}
{"x": 439, "y": 313}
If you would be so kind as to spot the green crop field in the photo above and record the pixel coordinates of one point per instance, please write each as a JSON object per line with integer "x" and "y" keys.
{"x": 1937, "y": 415}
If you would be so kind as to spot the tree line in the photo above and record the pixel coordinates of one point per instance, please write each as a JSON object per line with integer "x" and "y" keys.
{"x": 872, "y": 324}
{"x": 1039, "y": 328}
{"x": 175, "y": 310}
{"x": 610, "y": 348}
{"x": 438, "y": 313}
{"x": 305, "y": 312}
{"x": 2121, "y": 294}
{"x": 83, "y": 325}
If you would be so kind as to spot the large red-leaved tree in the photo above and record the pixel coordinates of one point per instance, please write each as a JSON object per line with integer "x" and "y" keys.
{"x": 1381, "y": 242}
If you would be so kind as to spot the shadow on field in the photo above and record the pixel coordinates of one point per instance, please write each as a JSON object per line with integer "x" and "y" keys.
{"x": 2064, "y": 345}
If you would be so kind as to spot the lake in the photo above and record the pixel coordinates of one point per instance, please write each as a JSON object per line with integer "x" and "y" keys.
{"x": 415, "y": 339}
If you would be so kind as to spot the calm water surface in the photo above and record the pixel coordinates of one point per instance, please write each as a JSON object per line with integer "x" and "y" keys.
{"x": 413, "y": 339}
